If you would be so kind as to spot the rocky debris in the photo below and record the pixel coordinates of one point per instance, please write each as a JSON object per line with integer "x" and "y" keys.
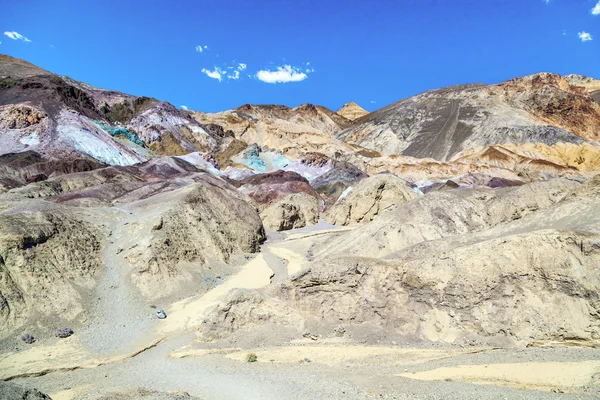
{"x": 28, "y": 338}
{"x": 20, "y": 117}
{"x": 64, "y": 332}
{"x": 443, "y": 283}
{"x": 269, "y": 188}
{"x": 12, "y": 391}
{"x": 352, "y": 111}
{"x": 370, "y": 198}
{"x": 294, "y": 211}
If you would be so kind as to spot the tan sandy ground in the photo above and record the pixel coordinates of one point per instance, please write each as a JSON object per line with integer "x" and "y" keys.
{"x": 333, "y": 354}
{"x": 547, "y": 376}
{"x": 67, "y": 354}
{"x": 69, "y": 393}
{"x": 190, "y": 312}
{"x": 567, "y": 377}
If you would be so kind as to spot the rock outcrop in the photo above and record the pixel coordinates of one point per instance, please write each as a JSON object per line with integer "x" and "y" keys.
{"x": 293, "y": 211}
{"x": 269, "y": 188}
{"x": 49, "y": 258}
{"x": 332, "y": 183}
{"x": 190, "y": 229}
{"x": 370, "y": 198}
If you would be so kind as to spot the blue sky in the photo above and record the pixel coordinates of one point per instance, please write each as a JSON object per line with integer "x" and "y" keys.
{"x": 373, "y": 52}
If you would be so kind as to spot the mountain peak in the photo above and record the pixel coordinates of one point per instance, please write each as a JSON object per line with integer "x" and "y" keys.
{"x": 352, "y": 111}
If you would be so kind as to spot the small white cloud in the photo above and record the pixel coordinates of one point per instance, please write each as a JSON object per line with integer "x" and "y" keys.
{"x": 242, "y": 66}
{"x": 284, "y": 74}
{"x": 216, "y": 74}
{"x": 16, "y": 36}
{"x": 596, "y": 9}
{"x": 373, "y": 102}
{"x": 585, "y": 37}
{"x": 235, "y": 75}
{"x": 184, "y": 107}
{"x": 200, "y": 49}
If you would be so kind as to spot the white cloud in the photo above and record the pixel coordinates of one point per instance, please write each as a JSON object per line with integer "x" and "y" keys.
{"x": 284, "y": 74}
{"x": 235, "y": 75}
{"x": 184, "y": 107}
{"x": 16, "y": 36}
{"x": 201, "y": 48}
{"x": 596, "y": 9}
{"x": 230, "y": 72}
{"x": 216, "y": 74}
{"x": 585, "y": 37}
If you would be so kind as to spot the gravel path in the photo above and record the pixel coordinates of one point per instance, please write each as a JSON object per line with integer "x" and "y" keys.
{"x": 121, "y": 318}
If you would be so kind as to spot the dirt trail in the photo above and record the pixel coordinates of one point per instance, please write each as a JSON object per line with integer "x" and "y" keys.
{"x": 121, "y": 319}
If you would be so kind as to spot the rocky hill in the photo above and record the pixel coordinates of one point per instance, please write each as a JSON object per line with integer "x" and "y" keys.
{"x": 459, "y": 228}
{"x": 443, "y": 124}
{"x": 352, "y": 111}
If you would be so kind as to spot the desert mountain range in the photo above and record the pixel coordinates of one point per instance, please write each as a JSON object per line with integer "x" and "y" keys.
{"x": 462, "y": 218}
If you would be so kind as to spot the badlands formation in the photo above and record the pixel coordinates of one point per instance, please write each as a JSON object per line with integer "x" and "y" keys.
{"x": 445, "y": 246}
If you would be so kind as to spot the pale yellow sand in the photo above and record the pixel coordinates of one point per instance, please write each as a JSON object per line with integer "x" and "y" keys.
{"x": 65, "y": 354}
{"x": 532, "y": 375}
{"x": 332, "y": 354}
{"x": 70, "y": 393}
{"x": 190, "y": 312}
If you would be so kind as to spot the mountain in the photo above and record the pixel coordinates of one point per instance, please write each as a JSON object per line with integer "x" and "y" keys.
{"x": 443, "y": 124}
{"x": 291, "y": 131}
{"x": 352, "y": 111}
{"x": 61, "y": 118}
